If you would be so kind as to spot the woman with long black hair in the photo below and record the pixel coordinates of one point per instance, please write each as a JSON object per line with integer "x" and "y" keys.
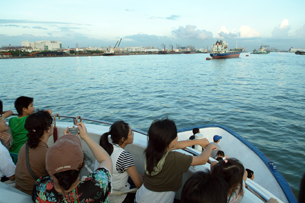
{"x": 164, "y": 167}
{"x": 31, "y": 158}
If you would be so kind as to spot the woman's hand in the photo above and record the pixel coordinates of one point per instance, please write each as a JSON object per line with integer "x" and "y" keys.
{"x": 212, "y": 147}
{"x": 82, "y": 130}
{"x": 66, "y": 131}
{"x": 272, "y": 200}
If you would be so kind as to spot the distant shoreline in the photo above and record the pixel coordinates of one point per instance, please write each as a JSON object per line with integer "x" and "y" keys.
{"x": 84, "y": 55}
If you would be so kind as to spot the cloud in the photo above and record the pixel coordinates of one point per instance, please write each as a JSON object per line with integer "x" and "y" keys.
{"x": 68, "y": 29}
{"x": 36, "y": 27}
{"x": 146, "y": 40}
{"x": 224, "y": 33}
{"x": 40, "y": 28}
{"x": 191, "y": 32}
{"x": 247, "y": 32}
{"x": 300, "y": 33}
{"x": 244, "y": 32}
{"x": 282, "y": 30}
{"x": 10, "y": 26}
{"x": 4, "y": 21}
{"x": 173, "y": 17}
{"x": 284, "y": 24}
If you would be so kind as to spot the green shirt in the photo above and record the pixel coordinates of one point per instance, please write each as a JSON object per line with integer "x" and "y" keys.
{"x": 19, "y": 133}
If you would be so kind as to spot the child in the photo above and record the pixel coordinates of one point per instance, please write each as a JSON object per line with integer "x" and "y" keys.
{"x": 250, "y": 174}
{"x": 24, "y": 107}
{"x": 233, "y": 172}
{"x": 164, "y": 168}
{"x": 220, "y": 154}
{"x": 195, "y": 131}
{"x": 204, "y": 187}
{"x": 196, "y": 135}
{"x": 123, "y": 164}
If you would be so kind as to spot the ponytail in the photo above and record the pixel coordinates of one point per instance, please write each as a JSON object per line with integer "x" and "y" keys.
{"x": 34, "y": 137}
{"x": 36, "y": 124}
{"x": 118, "y": 130}
{"x": 104, "y": 142}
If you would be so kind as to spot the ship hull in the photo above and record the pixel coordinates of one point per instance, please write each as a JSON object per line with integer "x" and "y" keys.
{"x": 300, "y": 52}
{"x": 113, "y": 54}
{"x": 225, "y": 55}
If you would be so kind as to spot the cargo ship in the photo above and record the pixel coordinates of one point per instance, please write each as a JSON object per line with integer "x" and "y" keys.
{"x": 219, "y": 51}
{"x": 300, "y": 52}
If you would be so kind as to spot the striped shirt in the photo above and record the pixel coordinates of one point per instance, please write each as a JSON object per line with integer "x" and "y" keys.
{"x": 124, "y": 161}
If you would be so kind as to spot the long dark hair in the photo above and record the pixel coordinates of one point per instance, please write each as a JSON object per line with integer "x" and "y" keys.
{"x": 117, "y": 130}
{"x": 232, "y": 171}
{"x": 203, "y": 187}
{"x": 195, "y": 131}
{"x": 36, "y": 124}
{"x": 67, "y": 178}
{"x": 160, "y": 134}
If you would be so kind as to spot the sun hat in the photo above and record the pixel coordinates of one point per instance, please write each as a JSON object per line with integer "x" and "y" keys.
{"x": 216, "y": 138}
{"x": 66, "y": 154}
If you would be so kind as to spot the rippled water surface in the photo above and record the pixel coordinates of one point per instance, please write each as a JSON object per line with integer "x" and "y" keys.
{"x": 261, "y": 97}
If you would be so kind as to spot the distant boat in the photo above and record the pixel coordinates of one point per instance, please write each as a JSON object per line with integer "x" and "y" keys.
{"x": 190, "y": 52}
{"x": 261, "y": 50}
{"x": 219, "y": 51}
{"x": 300, "y": 52}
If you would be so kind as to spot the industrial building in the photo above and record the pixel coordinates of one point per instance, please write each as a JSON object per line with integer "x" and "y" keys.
{"x": 43, "y": 45}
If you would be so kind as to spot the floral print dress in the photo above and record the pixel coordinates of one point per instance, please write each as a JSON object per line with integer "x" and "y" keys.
{"x": 95, "y": 188}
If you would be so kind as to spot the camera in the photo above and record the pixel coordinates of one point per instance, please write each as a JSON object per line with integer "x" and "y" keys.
{"x": 73, "y": 130}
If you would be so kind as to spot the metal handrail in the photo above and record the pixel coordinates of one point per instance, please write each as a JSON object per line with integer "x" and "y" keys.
{"x": 97, "y": 121}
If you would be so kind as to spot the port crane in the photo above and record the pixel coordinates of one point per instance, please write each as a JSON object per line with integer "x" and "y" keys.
{"x": 116, "y": 51}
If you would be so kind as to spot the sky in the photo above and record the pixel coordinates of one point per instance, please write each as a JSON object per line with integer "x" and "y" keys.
{"x": 198, "y": 23}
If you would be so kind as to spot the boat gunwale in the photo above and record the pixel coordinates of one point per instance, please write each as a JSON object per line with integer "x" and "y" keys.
{"x": 276, "y": 174}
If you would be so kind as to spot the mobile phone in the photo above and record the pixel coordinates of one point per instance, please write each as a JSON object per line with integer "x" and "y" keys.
{"x": 73, "y": 130}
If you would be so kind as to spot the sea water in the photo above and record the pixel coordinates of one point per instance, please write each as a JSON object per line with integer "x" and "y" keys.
{"x": 261, "y": 97}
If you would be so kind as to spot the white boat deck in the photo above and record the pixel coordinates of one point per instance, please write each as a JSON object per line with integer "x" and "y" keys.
{"x": 229, "y": 144}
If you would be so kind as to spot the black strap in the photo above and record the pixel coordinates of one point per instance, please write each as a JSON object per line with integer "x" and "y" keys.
{"x": 28, "y": 163}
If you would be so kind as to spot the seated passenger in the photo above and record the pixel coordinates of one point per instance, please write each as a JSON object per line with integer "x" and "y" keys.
{"x": 24, "y": 107}
{"x": 195, "y": 131}
{"x": 5, "y": 138}
{"x": 250, "y": 174}
{"x": 221, "y": 154}
{"x": 204, "y": 187}
{"x": 40, "y": 128}
{"x": 216, "y": 140}
{"x": 7, "y": 167}
{"x": 64, "y": 161}
{"x": 123, "y": 164}
{"x": 196, "y": 135}
{"x": 164, "y": 167}
{"x": 233, "y": 172}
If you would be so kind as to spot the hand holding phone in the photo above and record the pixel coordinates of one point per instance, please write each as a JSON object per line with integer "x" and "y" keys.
{"x": 73, "y": 130}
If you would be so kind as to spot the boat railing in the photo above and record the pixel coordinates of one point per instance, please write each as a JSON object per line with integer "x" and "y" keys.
{"x": 75, "y": 118}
